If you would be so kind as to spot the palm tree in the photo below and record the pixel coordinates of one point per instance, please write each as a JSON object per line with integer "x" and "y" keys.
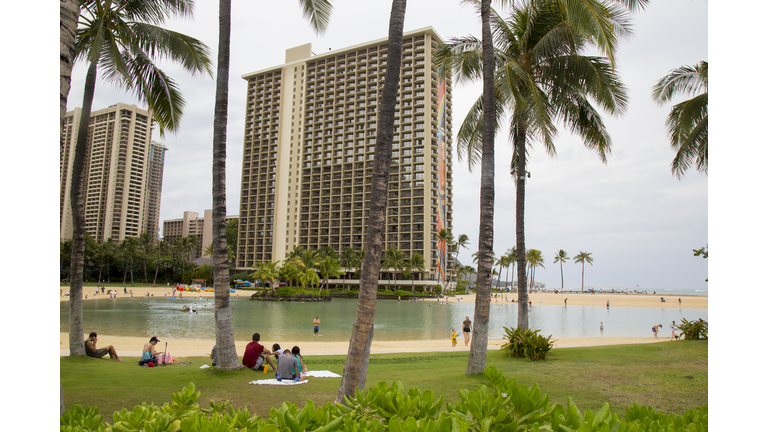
{"x": 413, "y": 264}
{"x": 266, "y": 272}
{"x": 560, "y": 257}
{"x": 329, "y": 251}
{"x": 289, "y": 272}
{"x": 543, "y": 76}
{"x": 145, "y": 244}
{"x": 445, "y": 239}
{"x": 69, "y": 10}
{"x": 328, "y": 267}
{"x": 318, "y": 12}
{"x": 688, "y": 122}
{"x": 356, "y": 366}
{"x": 308, "y": 277}
{"x": 129, "y": 249}
{"x": 581, "y": 258}
{"x": 162, "y": 250}
{"x": 124, "y": 37}
{"x": 393, "y": 259}
{"x": 349, "y": 259}
{"x": 534, "y": 259}
{"x": 505, "y": 261}
{"x": 460, "y": 243}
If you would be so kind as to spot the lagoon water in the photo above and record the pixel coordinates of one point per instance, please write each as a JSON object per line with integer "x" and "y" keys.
{"x": 395, "y": 320}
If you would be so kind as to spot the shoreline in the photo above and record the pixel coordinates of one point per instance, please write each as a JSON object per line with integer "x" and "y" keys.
{"x": 131, "y": 346}
{"x": 545, "y": 298}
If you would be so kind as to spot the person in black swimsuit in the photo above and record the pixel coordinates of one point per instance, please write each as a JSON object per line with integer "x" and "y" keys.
{"x": 467, "y": 330}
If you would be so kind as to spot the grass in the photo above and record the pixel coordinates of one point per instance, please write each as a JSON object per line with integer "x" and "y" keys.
{"x": 672, "y": 377}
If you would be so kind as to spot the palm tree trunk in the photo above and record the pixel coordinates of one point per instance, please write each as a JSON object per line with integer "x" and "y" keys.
{"x": 522, "y": 290}
{"x": 77, "y": 201}
{"x": 479, "y": 345}
{"x": 225, "y": 333}
{"x": 146, "y": 280}
{"x": 582, "y": 277}
{"x": 356, "y": 366}
{"x": 131, "y": 271}
{"x": 101, "y": 265}
{"x": 562, "y": 283}
{"x": 69, "y": 11}
{"x": 157, "y": 268}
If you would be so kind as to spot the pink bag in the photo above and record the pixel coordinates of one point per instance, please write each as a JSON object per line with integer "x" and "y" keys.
{"x": 168, "y": 358}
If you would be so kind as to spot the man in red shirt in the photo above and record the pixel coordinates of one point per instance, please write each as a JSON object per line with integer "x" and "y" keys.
{"x": 255, "y": 354}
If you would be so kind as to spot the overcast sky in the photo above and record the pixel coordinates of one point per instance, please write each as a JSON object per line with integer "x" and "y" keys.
{"x": 639, "y": 221}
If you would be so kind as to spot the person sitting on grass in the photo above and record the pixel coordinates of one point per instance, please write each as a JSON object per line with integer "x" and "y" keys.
{"x": 149, "y": 353}
{"x": 287, "y": 367}
{"x": 255, "y": 355}
{"x": 302, "y": 372}
{"x": 92, "y": 351}
{"x": 213, "y": 356}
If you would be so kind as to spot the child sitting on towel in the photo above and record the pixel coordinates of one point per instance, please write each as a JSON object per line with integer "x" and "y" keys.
{"x": 286, "y": 366}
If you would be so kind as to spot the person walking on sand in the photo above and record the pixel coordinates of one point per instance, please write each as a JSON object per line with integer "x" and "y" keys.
{"x": 656, "y": 331}
{"x": 316, "y": 324}
{"x": 467, "y": 329}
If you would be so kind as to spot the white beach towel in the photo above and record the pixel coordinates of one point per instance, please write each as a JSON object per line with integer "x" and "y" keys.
{"x": 274, "y": 381}
{"x": 204, "y": 366}
{"x": 323, "y": 374}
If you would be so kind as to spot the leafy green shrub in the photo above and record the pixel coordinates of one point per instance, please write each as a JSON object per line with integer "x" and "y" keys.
{"x": 287, "y": 291}
{"x": 501, "y": 405}
{"x": 461, "y": 287}
{"x": 693, "y": 329}
{"x": 402, "y": 293}
{"x": 241, "y": 276}
{"x": 528, "y": 343}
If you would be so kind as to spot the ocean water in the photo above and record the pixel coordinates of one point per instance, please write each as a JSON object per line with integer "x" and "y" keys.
{"x": 284, "y": 322}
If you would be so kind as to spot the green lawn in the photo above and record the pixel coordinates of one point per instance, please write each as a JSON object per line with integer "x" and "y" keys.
{"x": 672, "y": 377}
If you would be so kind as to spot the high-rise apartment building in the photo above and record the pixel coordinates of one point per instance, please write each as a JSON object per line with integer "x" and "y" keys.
{"x": 310, "y": 133}
{"x": 154, "y": 183}
{"x": 192, "y": 224}
{"x": 123, "y": 175}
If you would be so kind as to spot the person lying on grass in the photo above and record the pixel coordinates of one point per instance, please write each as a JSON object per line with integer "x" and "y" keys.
{"x": 92, "y": 351}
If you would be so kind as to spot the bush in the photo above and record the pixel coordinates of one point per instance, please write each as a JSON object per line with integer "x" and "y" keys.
{"x": 402, "y": 293}
{"x": 693, "y": 329}
{"x": 241, "y": 276}
{"x": 528, "y": 343}
{"x": 499, "y": 404}
{"x": 287, "y": 291}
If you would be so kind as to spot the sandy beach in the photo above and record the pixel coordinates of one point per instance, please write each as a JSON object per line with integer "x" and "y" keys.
{"x": 131, "y": 346}
{"x": 548, "y": 298}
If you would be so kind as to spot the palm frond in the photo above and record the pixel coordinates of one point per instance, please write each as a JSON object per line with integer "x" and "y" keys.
{"x": 159, "y": 43}
{"x": 598, "y": 22}
{"x": 685, "y": 80}
{"x": 585, "y": 121}
{"x": 687, "y": 126}
{"x": 155, "y": 11}
{"x": 159, "y": 91}
{"x": 318, "y": 13}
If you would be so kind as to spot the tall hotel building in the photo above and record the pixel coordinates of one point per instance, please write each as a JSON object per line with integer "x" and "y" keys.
{"x": 310, "y": 133}
{"x": 123, "y": 175}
